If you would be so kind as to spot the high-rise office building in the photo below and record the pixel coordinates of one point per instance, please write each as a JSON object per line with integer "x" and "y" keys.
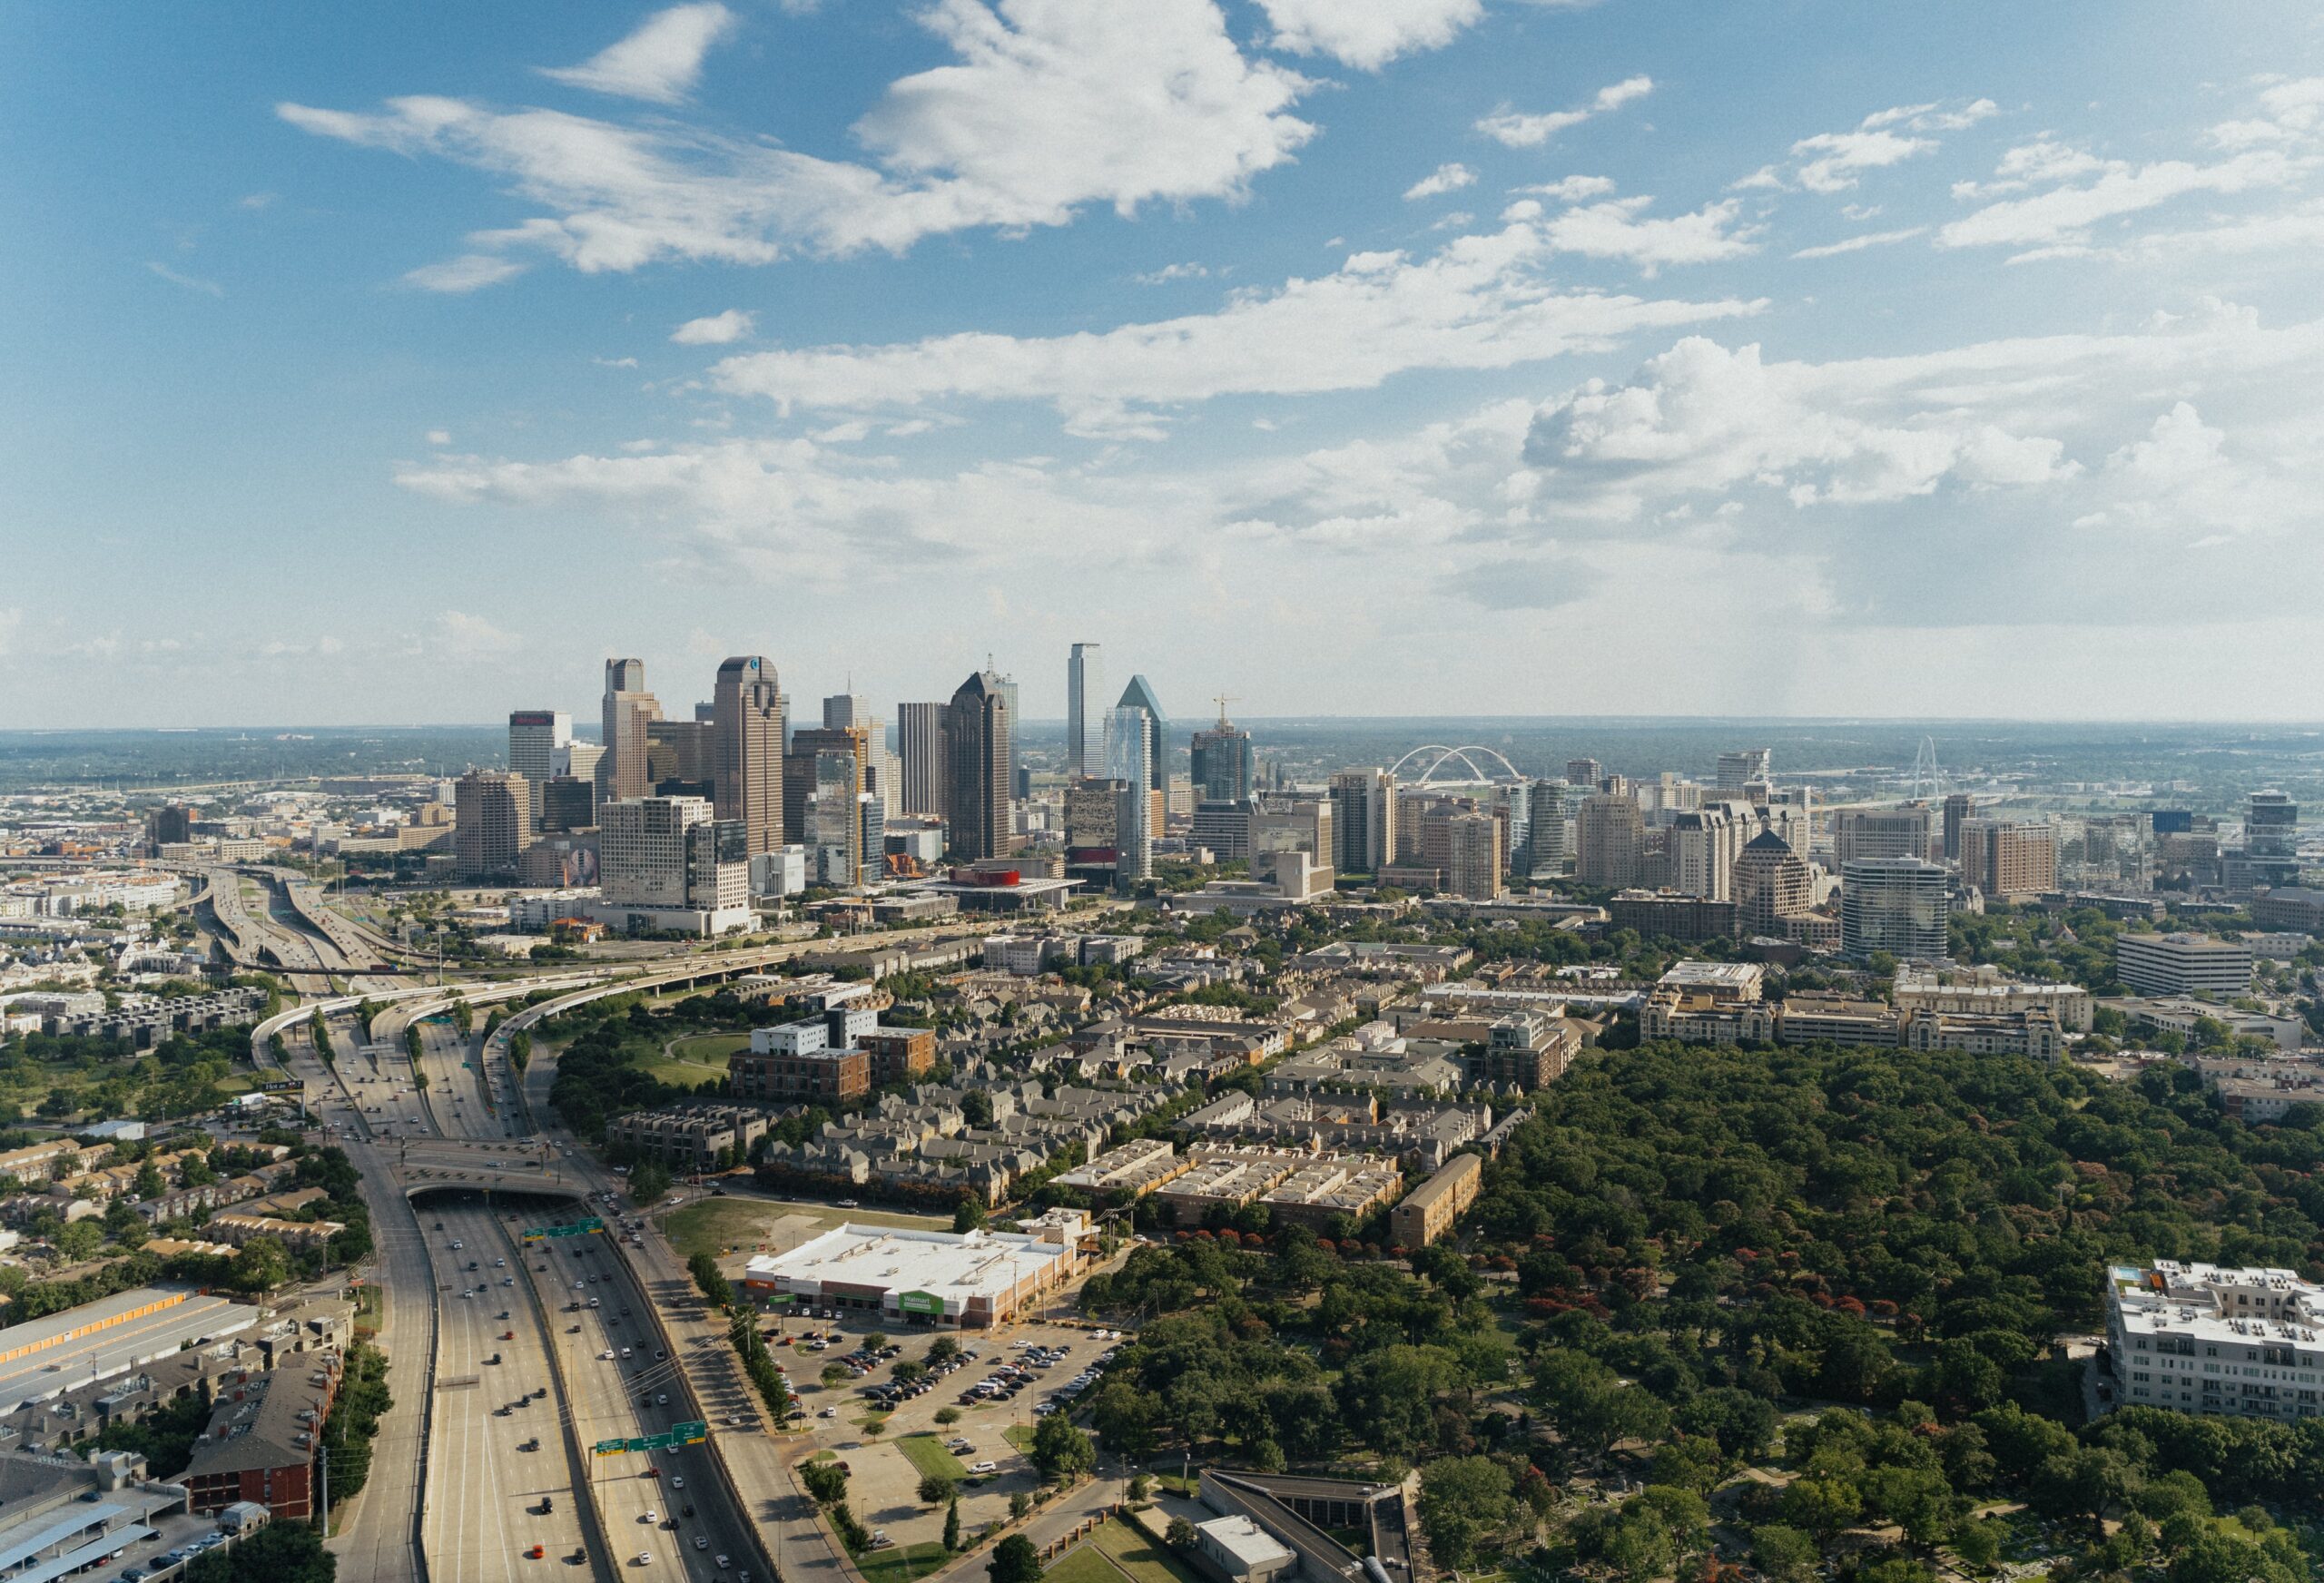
{"x": 1739, "y": 770}
{"x": 1129, "y": 741}
{"x": 1609, "y": 837}
{"x": 566, "y": 802}
{"x": 1547, "y": 853}
{"x": 535, "y": 735}
{"x": 1302, "y": 825}
{"x": 1772, "y": 882}
{"x": 1364, "y": 815}
{"x": 1473, "y": 865}
{"x": 628, "y": 709}
{"x": 1958, "y": 806}
{"x": 883, "y": 776}
{"x": 1085, "y": 708}
{"x": 492, "y": 823}
{"x": 680, "y": 758}
{"x": 746, "y": 750}
{"x": 1224, "y": 766}
{"x": 2270, "y": 855}
{"x": 671, "y": 863}
{"x": 1704, "y": 844}
{"x": 1583, "y": 774}
{"x": 2009, "y": 857}
{"x": 578, "y": 758}
{"x": 1898, "y": 905}
{"x": 1006, "y": 688}
{"x": 1139, "y": 695}
{"x": 919, "y": 745}
{"x": 167, "y": 825}
{"x": 1861, "y": 833}
{"x": 805, "y": 778}
{"x": 978, "y": 727}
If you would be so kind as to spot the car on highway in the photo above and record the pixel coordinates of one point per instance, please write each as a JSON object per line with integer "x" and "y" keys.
{"x": 720, "y": 1563}
{"x": 651, "y": 1516}
{"x": 700, "y": 1543}
{"x": 677, "y": 1481}
{"x": 644, "y": 1558}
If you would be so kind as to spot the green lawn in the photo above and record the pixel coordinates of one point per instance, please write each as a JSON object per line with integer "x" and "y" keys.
{"x": 1083, "y": 1564}
{"x": 1141, "y": 1557}
{"x": 1019, "y": 1435}
{"x": 900, "y": 1563}
{"x": 927, "y": 1453}
{"x": 696, "y": 1059}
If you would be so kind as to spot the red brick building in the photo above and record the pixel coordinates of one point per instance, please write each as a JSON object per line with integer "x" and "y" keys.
{"x": 900, "y": 1055}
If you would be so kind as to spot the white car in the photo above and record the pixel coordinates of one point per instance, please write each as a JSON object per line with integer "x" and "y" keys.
{"x": 651, "y": 1516}
{"x": 605, "y": 1356}
{"x": 644, "y": 1558}
{"x": 676, "y": 1482}
{"x": 984, "y": 1467}
{"x": 722, "y": 1563}
{"x": 700, "y": 1543}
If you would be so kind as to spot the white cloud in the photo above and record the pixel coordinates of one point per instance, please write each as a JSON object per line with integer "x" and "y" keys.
{"x": 190, "y": 282}
{"x": 1857, "y": 244}
{"x": 1448, "y": 177}
{"x": 614, "y": 363}
{"x": 1518, "y": 129}
{"x": 2063, "y": 213}
{"x": 1618, "y": 229}
{"x": 463, "y": 637}
{"x": 1169, "y": 273}
{"x": 1367, "y": 33}
{"x": 1570, "y": 189}
{"x": 1050, "y": 104}
{"x": 439, "y": 437}
{"x": 660, "y": 61}
{"x": 468, "y": 272}
{"x": 257, "y": 201}
{"x": 717, "y": 329}
{"x": 1479, "y": 303}
{"x": 1834, "y": 162}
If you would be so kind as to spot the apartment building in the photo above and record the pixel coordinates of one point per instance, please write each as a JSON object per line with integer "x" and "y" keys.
{"x": 2210, "y": 1339}
{"x": 1429, "y": 1210}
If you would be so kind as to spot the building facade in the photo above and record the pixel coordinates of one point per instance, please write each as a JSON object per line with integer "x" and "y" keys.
{"x": 746, "y": 750}
{"x": 978, "y": 768}
{"x": 1899, "y": 905}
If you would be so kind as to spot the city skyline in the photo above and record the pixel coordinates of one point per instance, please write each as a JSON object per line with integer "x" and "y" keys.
{"x": 1949, "y": 365}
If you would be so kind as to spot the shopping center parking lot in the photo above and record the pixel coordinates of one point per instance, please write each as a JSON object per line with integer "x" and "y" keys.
{"x": 884, "y": 1469}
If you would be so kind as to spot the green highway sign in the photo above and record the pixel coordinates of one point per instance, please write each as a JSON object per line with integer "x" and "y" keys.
{"x": 592, "y": 1227}
{"x": 690, "y": 1434}
{"x": 611, "y": 1447}
{"x": 670, "y": 1439}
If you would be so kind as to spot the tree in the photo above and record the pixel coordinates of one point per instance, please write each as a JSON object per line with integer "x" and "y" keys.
{"x": 935, "y": 1489}
{"x": 826, "y": 1483}
{"x": 648, "y": 1181}
{"x": 1014, "y": 1561}
{"x": 1062, "y": 1451}
{"x": 80, "y": 1240}
{"x": 1463, "y": 1501}
{"x": 282, "y": 1552}
{"x": 947, "y": 1416}
{"x": 953, "y": 1521}
{"x": 261, "y": 1265}
{"x": 1179, "y": 1535}
{"x": 1741, "y": 1422}
{"x": 942, "y": 1350}
{"x": 1978, "y": 1545}
{"x": 1128, "y": 1419}
{"x": 149, "y": 1181}
{"x": 1392, "y": 1392}
{"x": 969, "y": 1215}
{"x": 876, "y": 1339}
{"x": 1782, "y": 1553}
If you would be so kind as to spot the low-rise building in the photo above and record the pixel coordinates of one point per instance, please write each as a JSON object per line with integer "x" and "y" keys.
{"x": 2210, "y": 1339}
{"x": 818, "y": 1077}
{"x": 1429, "y": 1209}
{"x": 972, "y": 1280}
{"x": 2182, "y": 964}
{"x": 259, "y": 1443}
{"x": 1131, "y": 1171}
{"x": 694, "y": 1138}
{"x": 239, "y": 1229}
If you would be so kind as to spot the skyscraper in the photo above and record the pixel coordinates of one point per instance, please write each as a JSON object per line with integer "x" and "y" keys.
{"x": 492, "y": 823}
{"x": 669, "y": 862}
{"x": 1880, "y": 832}
{"x": 746, "y": 750}
{"x": 1958, "y": 806}
{"x": 979, "y": 726}
{"x": 1739, "y": 770}
{"x": 628, "y": 709}
{"x": 1129, "y": 755}
{"x": 1085, "y": 703}
{"x": 805, "y": 779}
{"x": 681, "y": 760}
{"x": 1772, "y": 882}
{"x": 1897, "y": 905}
{"x": 1473, "y": 861}
{"x": 2271, "y": 856}
{"x": 1545, "y": 838}
{"x": 1583, "y": 774}
{"x": 1608, "y": 832}
{"x": 2009, "y": 857}
{"x": 1223, "y": 762}
{"x": 535, "y": 735}
{"x": 1364, "y": 817}
{"x": 1139, "y": 695}
{"x": 920, "y": 744}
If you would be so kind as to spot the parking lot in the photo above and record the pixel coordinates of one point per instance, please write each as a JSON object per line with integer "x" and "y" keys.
{"x": 998, "y": 1384}
{"x": 180, "y": 1541}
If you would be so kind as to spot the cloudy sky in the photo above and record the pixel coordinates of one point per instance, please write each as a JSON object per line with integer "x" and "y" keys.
{"x": 371, "y": 364}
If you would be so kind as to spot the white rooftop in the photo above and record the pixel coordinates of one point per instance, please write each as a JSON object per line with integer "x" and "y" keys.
{"x": 953, "y": 1267}
{"x": 1247, "y": 1541}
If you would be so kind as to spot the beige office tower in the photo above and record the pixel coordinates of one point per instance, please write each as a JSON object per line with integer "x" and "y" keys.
{"x": 492, "y": 823}
{"x": 1608, "y": 835}
{"x": 1772, "y": 883}
{"x": 2009, "y": 857}
{"x": 535, "y": 736}
{"x": 803, "y": 784}
{"x": 1474, "y": 867}
{"x": 746, "y": 750}
{"x": 629, "y": 710}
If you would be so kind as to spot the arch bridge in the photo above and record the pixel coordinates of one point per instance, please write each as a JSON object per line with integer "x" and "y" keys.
{"x": 1445, "y": 755}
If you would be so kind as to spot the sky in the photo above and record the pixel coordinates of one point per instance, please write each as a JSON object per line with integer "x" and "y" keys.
{"x": 369, "y": 364}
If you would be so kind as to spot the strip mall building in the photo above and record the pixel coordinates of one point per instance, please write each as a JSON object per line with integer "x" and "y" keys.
{"x": 972, "y": 1281}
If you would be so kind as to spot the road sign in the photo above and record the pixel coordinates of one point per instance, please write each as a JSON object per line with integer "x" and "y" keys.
{"x": 611, "y": 1447}
{"x": 591, "y": 1226}
{"x": 670, "y": 1439}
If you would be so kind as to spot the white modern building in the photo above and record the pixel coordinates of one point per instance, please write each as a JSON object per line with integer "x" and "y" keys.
{"x": 666, "y": 864}
{"x": 1984, "y": 991}
{"x": 2182, "y": 964}
{"x": 2206, "y": 1338}
{"x": 1897, "y": 905}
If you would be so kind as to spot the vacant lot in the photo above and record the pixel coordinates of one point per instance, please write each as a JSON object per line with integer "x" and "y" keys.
{"x": 737, "y": 1225}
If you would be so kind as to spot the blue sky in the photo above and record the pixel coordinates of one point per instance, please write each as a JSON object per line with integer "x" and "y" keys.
{"x": 378, "y": 364}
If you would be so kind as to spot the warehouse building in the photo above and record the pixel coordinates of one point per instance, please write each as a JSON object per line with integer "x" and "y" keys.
{"x": 974, "y": 1280}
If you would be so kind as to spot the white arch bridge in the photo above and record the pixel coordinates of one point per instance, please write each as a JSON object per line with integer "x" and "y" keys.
{"x": 1445, "y": 756}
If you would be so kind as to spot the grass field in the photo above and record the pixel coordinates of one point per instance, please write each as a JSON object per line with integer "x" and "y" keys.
{"x": 1083, "y": 1564}
{"x": 715, "y": 1225}
{"x": 1019, "y": 1435}
{"x": 900, "y": 1563}
{"x": 927, "y": 1453}
{"x": 696, "y": 1059}
{"x": 1138, "y": 1556}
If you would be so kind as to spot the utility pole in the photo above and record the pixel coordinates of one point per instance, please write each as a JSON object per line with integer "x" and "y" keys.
{"x": 326, "y": 1491}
